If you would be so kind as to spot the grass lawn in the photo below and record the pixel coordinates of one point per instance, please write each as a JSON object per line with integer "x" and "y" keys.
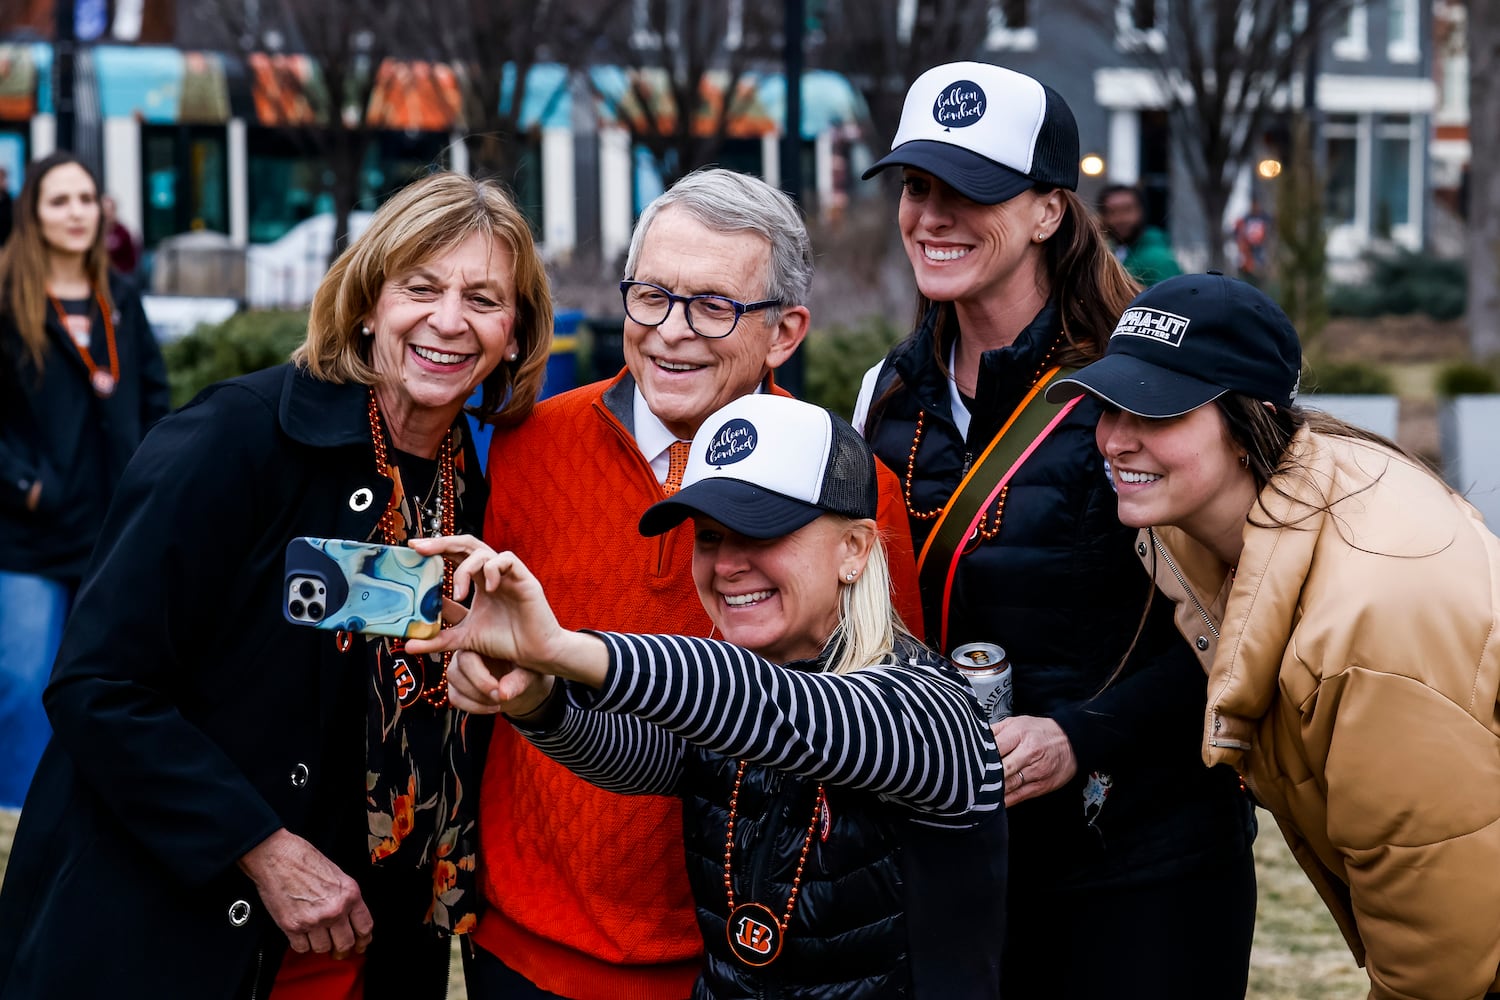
{"x": 1298, "y": 954}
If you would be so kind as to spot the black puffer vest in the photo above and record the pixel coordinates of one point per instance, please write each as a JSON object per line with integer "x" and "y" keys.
{"x": 1060, "y": 588}
{"x": 887, "y": 906}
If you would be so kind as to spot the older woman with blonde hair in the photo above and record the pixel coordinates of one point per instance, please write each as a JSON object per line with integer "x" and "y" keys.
{"x": 282, "y": 811}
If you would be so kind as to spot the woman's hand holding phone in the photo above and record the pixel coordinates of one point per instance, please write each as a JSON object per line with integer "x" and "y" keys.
{"x": 510, "y": 621}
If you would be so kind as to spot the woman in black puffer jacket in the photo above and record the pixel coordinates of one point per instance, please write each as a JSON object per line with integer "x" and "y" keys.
{"x": 1117, "y": 828}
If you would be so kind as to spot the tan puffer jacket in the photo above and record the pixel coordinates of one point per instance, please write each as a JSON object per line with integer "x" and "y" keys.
{"x": 1353, "y": 672}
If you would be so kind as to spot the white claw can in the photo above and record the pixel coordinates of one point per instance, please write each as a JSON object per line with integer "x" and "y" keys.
{"x": 987, "y": 670}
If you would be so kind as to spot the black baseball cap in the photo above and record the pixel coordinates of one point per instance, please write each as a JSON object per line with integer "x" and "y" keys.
{"x": 765, "y": 465}
{"x": 986, "y": 131}
{"x": 1189, "y": 340}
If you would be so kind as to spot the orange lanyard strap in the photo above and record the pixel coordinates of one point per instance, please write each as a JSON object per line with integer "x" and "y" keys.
{"x": 104, "y": 382}
{"x": 1021, "y": 435}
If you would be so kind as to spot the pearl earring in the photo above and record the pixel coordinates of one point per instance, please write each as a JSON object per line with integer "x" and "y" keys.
{"x": 849, "y": 577}
{"x": 365, "y": 330}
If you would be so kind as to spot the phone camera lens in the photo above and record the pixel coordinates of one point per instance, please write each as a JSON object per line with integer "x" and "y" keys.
{"x": 305, "y": 588}
{"x": 315, "y": 611}
{"x": 297, "y": 608}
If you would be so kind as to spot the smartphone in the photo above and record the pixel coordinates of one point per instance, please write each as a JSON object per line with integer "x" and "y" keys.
{"x": 364, "y": 587}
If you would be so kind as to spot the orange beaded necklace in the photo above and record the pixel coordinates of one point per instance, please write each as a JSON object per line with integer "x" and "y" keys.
{"x": 989, "y": 521}
{"x": 391, "y": 533}
{"x": 103, "y": 381}
{"x": 755, "y": 933}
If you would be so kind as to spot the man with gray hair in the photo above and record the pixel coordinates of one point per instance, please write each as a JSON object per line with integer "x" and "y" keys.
{"x": 587, "y": 891}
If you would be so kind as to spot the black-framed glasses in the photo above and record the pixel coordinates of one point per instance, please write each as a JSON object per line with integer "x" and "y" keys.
{"x": 712, "y": 316}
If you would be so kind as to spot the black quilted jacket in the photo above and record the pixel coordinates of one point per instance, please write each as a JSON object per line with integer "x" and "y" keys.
{"x": 1061, "y": 590}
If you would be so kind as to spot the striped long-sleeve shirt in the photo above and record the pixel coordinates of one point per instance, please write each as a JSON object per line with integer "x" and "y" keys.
{"x": 907, "y": 729}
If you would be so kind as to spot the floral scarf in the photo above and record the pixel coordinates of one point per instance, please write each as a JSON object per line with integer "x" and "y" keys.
{"x": 421, "y": 807}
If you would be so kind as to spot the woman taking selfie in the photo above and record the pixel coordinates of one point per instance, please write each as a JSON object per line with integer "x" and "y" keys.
{"x": 282, "y": 811}
{"x": 80, "y": 381}
{"x": 1115, "y": 826}
{"x": 1344, "y": 602}
{"x": 841, "y": 792}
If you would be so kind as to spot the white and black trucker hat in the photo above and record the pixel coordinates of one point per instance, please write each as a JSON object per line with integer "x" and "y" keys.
{"x": 766, "y": 465}
{"x": 986, "y": 131}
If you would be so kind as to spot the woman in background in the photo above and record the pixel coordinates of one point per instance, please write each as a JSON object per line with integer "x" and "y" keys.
{"x": 81, "y": 379}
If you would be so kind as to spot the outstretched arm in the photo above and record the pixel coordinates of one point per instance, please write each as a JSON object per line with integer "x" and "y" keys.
{"x": 510, "y": 619}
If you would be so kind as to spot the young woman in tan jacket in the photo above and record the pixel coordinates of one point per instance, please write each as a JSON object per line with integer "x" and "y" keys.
{"x": 1344, "y": 602}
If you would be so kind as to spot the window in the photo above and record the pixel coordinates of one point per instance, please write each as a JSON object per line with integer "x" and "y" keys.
{"x": 1393, "y": 175}
{"x": 1352, "y": 43}
{"x": 186, "y": 178}
{"x": 1010, "y": 25}
{"x": 1141, "y": 24}
{"x": 286, "y": 174}
{"x": 1401, "y": 38}
{"x": 1455, "y": 89}
{"x": 1341, "y": 197}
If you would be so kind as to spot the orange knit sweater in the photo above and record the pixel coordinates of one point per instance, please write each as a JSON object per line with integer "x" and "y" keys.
{"x": 587, "y": 890}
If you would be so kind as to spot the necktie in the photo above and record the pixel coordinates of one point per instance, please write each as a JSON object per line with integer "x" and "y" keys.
{"x": 677, "y": 459}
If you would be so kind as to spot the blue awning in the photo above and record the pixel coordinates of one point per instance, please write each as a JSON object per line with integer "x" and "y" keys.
{"x": 547, "y": 102}
{"x": 161, "y": 85}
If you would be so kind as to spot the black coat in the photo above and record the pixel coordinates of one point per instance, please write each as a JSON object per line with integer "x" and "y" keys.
{"x": 1061, "y": 590}
{"x": 55, "y": 429}
{"x": 191, "y": 720}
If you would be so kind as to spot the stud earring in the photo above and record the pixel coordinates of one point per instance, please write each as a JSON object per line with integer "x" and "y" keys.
{"x": 513, "y": 356}
{"x": 1040, "y": 237}
{"x": 365, "y": 330}
{"x": 849, "y": 577}
{"x": 1244, "y": 461}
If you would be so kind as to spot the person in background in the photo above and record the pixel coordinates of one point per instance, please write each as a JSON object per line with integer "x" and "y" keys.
{"x": 273, "y": 810}
{"x": 586, "y": 893}
{"x": 1115, "y": 826}
{"x": 1145, "y": 251}
{"x": 841, "y": 795}
{"x": 1252, "y": 238}
{"x": 1344, "y": 602}
{"x": 124, "y": 251}
{"x": 81, "y": 380}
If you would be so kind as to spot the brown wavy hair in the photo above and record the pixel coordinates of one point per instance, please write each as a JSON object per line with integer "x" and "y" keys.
{"x": 423, "y": 220}
{"x": 24, "y": 261}
{"x": 1266, "y": 433}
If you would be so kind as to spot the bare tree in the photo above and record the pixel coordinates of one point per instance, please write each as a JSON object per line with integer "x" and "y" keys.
{"x": 345, "y": 44}
{"x": 494, "y": 44}
{"x": 1226, "y": 71}
{"x": 883, "y": 45}
{"x": 1484, "y": 178}
{"x": 684, "y": 73}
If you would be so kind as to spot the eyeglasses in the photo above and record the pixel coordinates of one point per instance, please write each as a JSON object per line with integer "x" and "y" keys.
{"x": 711, "y": 316}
